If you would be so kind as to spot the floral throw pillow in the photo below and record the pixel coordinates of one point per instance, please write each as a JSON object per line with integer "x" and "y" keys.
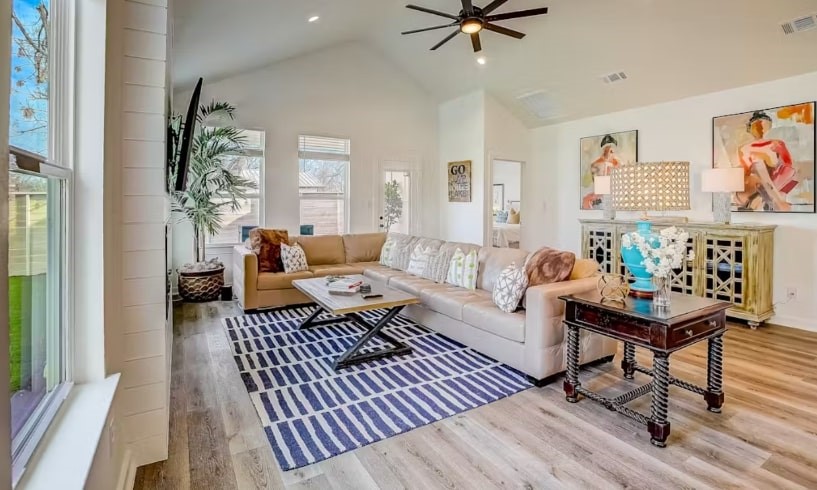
{"x": 267, "y": 245}
{"x": 509, "y": 288}
{"x": 294, "y": 258}
{"x": 462, "y": 271}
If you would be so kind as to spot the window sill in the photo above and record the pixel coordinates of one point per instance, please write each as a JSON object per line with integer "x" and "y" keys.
{"x": 66, "y": 452}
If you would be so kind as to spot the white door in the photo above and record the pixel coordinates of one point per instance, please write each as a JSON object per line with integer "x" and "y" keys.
{"x": 398, "y": 189}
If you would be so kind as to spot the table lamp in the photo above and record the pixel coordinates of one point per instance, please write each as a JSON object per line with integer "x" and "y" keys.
{"x": 601, "y": 187}
{"x": 722, "y": 182}
{"x": 648, "y": 186}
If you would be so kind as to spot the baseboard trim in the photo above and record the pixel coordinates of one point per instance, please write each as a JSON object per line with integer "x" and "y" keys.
{"x": 127, "y": 474}
{"x": 799, "y": 323}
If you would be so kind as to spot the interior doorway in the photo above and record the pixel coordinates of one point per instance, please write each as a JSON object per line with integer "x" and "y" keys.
{"x": 506, "y": 204}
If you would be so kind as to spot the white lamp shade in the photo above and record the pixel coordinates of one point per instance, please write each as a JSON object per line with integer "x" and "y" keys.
{"x": 722, "y": 180}
{"x": 601, "y": 185}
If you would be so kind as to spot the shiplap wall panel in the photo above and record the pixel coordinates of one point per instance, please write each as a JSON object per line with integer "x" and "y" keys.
{"x": 143, "y": 182}
{"x": 142, "y": 372}
{"x": 143, "y": 236}
{"x": 147, "y": 45}
{"x": 142, "y": 318}
{"x": 144, "y": 397}
{"x": 143, "y": 264}
{"x": 142, "y": 98}
{"x": 144, "y": 344}
{"x": 139, "y": 71}
{"x": 143, "y": 154}
{"x": 147, "y": 18}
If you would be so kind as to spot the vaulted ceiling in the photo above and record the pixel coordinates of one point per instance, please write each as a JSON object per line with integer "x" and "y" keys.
{"x": 669, "y": 49}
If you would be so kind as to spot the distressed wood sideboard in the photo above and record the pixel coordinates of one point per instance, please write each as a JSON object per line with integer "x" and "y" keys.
{"x": 733, "y": 262}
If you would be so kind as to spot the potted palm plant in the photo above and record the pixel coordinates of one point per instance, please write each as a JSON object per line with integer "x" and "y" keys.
{"x": 209, "y": 189}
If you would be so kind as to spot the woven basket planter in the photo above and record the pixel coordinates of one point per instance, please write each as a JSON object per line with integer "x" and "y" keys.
{"x": 199, "y": 287}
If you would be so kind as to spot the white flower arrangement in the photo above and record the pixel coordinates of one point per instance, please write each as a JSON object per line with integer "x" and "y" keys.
{"x": 662, "y": 254}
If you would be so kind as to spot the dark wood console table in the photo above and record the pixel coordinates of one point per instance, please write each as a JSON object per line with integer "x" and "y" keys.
{"x": 637, "y": 323}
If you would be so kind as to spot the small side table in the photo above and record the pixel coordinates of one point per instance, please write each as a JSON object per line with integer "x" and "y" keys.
{"x": 637, "y": 323}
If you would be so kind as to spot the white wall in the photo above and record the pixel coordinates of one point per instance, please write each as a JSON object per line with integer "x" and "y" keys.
{"x": 679, "y": 130}
{"x": 478, "y": 128}
{"x": 462, "y": 137}
{"x": 509, "y": 174}
{"x": 347, "y": 91}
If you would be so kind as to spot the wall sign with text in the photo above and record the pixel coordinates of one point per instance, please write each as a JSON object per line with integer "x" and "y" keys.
{"x": 459, "y": 181}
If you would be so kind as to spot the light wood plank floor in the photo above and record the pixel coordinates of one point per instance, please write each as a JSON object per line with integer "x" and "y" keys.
{"x": 765, "y": 438}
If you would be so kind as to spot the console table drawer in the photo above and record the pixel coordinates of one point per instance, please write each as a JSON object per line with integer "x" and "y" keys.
{"x": 614, "y": 324}
{"x": 684, "y": 334}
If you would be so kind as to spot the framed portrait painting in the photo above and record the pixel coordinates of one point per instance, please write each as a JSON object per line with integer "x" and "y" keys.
{"x": 459, "y": 181}
{"x": 599, "y": 155}
{"x": 776, "y": 150}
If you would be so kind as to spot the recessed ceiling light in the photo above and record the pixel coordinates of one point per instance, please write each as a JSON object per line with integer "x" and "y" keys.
{"x": 481, "y": 60}
{"x": 314, "y": 18}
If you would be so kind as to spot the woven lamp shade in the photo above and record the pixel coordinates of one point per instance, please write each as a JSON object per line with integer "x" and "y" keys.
{"x": 651, "y": 186}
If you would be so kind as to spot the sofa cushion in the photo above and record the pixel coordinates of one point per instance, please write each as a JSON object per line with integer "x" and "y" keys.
{"x": 411, "y": 284}
{"x": 492, "y": 261}
{"x": 382, "y": 274}
{"x": 584, "y": 268}
{"x": 364, "y": 247}
{"x": 322, "y": 249}
{"x": 449, "y": 300}
{"x": 548, "y": 265}
{"x": 280, "y": 280}
{"x": 335, "y": 270}
{"x": 266, "y": 244}
{"x": 484, "y": 315}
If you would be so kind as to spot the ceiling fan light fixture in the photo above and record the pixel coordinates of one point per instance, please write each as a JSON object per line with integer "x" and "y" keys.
{"x": 471, "y": 25}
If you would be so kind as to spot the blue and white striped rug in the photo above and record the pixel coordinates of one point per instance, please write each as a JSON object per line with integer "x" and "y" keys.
{"x": 311, "y": 413}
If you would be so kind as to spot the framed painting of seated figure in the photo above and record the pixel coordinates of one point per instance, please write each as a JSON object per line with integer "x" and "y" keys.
{"x": 776, "y": 150}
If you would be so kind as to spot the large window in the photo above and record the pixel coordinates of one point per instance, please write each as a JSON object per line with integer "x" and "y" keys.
{"x": 250, "y": 165}
{"x": 39, "y": 201}
{"x": 323, "y": 184}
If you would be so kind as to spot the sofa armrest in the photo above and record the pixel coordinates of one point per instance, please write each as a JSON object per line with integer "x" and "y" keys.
{"x": 545, "y": 311}
{"x": 245, "y": 277}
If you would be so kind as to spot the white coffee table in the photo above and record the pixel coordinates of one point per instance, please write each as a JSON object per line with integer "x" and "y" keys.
{"x": 349, "y": 308}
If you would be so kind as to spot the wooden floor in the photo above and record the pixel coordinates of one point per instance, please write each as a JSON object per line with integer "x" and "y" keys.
{"x": 765, "y": 438}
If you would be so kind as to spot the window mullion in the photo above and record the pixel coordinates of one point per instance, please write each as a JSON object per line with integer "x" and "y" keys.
{"x": 61, "y": 82}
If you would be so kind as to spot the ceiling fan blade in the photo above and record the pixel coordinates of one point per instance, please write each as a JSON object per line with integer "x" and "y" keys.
{"x": 516, "y": 15}
{"x": 475, "y": 42}
{"x": 447, "y": 38}
{"x": 467, "y": 6}
{"x": 503, "y": 30}
{"x": 433, "y": 12}
{"x": 493, "y": 6}
{"x": 430, "y": 28}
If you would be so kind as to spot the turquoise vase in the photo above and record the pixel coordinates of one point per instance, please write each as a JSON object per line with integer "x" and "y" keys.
{"x": 634, "y": 261}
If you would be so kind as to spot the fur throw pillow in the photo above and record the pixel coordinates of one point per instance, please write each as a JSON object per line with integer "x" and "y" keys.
{"x": 548, "y": 265}
{"x": 267, "y": 246}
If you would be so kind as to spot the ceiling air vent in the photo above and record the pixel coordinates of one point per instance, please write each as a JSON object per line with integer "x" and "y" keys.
{"x": 539, "y": 103}
{"x": 799, "y": 25}
{"x": 616, "y": 77}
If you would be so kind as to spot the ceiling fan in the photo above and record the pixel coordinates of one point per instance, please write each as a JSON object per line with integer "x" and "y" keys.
{"x": 471, "y": 20}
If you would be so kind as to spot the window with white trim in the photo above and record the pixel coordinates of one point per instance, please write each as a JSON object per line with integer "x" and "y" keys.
{"x": 323, "y": 184}
{"x": 248, "y": 164}
{"x": 40, "y": 181}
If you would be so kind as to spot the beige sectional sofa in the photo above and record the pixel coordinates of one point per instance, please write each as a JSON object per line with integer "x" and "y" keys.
{"x": 531, "y": 339}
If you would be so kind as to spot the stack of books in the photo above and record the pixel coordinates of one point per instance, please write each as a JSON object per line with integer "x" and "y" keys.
{"x": 344, "y": 287}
